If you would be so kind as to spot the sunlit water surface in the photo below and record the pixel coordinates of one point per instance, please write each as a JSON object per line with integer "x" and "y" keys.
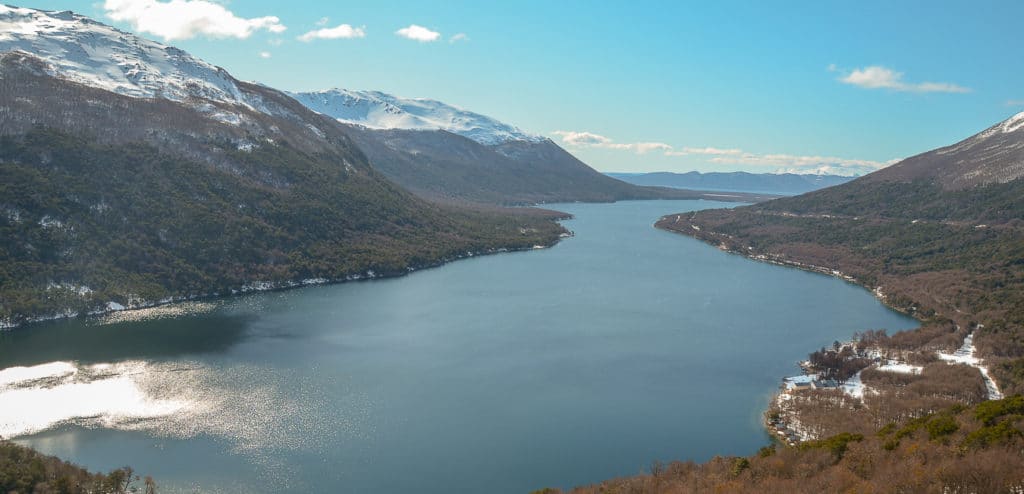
{"x": 504, "y": 373}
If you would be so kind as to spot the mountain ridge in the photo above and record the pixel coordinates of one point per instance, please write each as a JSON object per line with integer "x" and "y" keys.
{"x": 778, "y": 183}
{"x": 994, "y": 155}
{"x": 112, "y": 199}
{"x": 442, "y": 152}
{"x": 383, "y": 111}
{"x": 80, "y": 49}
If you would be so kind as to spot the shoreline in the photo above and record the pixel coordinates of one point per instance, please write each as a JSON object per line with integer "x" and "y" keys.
{"x": 269, "y": 286}
{"x": 787, "y": 428}
{"x": 255, "y": 286}
{"x": 769, "y": 259}
{"x": 787, "y": 432}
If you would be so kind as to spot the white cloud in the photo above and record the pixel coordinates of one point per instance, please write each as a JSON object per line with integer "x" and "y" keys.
{"x": 458, "y": 37}
{"x": 418, "y": 33}
{"x": 789, "y": 163}
{"x": 185, "y": 19}
{"x": 878, "y": 77}
{"x": 265, "y": 54}
{"x": 589, "y": 139}
{"x": 573, "y": 138}
{"x": 643, "y": 147}
{"x": 323, "y": 21}
{"x": 343, "y": 31}
{"x": 1015, "y": 102}
{"x": 708, "y": 150}
{"x": 782, "y": 163}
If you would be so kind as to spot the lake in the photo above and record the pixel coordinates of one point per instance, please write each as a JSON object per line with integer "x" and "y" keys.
{"x": 504, "y": 373}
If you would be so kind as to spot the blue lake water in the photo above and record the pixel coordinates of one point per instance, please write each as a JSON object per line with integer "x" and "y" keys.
{"x": 505, "y": 373}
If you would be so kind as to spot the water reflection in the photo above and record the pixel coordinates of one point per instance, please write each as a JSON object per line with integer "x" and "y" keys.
{"x": 93, "y": 341}
{"x": 507, "y": 373}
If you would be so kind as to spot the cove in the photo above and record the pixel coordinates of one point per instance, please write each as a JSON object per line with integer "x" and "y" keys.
{"x": 507, "y": 373}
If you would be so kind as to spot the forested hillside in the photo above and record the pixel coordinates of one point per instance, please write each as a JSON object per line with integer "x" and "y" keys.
{"x": 958, "y": 449}
{"x": 111, "y": 201}
{"x": 939, "y": 236}
{"x": 24, "y": 471}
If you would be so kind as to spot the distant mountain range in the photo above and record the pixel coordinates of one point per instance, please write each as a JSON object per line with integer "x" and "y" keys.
{"x": 443, "y": 152}
{"x": 766, "y": 183}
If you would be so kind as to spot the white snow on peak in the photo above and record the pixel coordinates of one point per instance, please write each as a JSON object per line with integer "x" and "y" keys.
{"x": 377, "y": 110}
{"x": 1013, "y": 123}
{"x": 85, "y": 51}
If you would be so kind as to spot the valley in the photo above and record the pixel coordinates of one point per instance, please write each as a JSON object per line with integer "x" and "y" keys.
{"x": 245, "y": 280}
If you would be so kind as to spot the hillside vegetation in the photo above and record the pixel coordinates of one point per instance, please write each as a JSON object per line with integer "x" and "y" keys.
{"x": 107, "y": 198}
{"x": 955, "y": 450}
{"x": 23, "y": 471}
{"x": 953, "y": 259}
{"x": 87, "y": 224}
{"x": 441, "y": 165}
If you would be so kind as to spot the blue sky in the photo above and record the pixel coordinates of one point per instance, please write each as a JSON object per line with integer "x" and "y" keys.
{"x": 640, "y": 86}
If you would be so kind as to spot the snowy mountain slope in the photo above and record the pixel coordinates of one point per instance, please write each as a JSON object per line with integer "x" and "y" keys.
{"x": 377, "y": 110}
{"x": 145, "y": 175}
{"x": 995, "y": 155}
{"x": 140, "y": 90}
{"x": 79, "y": 49}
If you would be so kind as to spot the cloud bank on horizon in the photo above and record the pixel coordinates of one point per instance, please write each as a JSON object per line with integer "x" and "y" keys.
{"x": 870, "y": 77}
{"x": 776, "y": 162}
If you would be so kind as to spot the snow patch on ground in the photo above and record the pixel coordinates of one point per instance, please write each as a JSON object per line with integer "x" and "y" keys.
{"x": 965, "y": 355}
{"x": 81, "y": 290}
{"x": 900, "y": 367}
{"x": 48, "y": 221}
{"x": 854, "y": 386}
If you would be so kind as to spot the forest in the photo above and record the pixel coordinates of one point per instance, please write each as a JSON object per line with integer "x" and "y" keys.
{"x": 86, "y": 223}
{"x": 24, "y": 471}
{"x": 952, "y": 259}
{"x": 958, "y": 449}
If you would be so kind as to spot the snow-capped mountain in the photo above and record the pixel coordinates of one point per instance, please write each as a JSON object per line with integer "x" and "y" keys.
{"x": 57, "y": 64}
{"x": 79, "y": 49}
{"x": 995, "y": 155}
{"x": 377, "y": 110}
